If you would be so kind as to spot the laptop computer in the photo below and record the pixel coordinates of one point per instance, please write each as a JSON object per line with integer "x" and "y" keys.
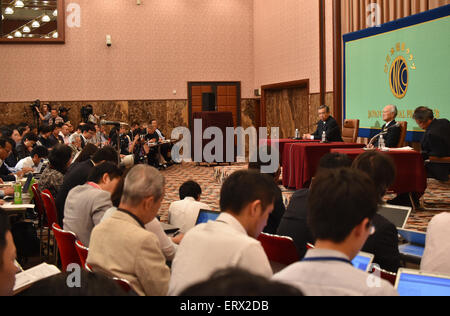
{"x": 415, "y": 246}
{"x": 205, "y": 216}
{"x": 398, "y": 215}
{"x": 417, "y": 283}
{"x": 363, "y": 261}
{"x": 26, "y": 186}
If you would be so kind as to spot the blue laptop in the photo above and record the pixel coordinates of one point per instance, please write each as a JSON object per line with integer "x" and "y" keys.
{"x": 363, "y": 261}
{"x": 416, "y": 243}
{"x": 205, "y": 216}
{"x": 416, "y": 283}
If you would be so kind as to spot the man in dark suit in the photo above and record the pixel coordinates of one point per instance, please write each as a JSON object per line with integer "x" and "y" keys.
{"x": 328, "y": 125}
{"x": 294, "y": 222}
{"x": 435, "y": 141}
{"x": 79, "y": 174}
{"x": 392, "y": 136}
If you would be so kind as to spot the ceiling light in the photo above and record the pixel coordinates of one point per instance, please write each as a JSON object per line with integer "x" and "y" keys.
{"x": 46, "y": 18}
{"x": 19, "y": 4}
{"x": 55, "y": 13}
{"x": 55, "y": 35}
{"x": 35, "y": 24}
{"x": 9, "y": 10}
{"x": 26, "y": 29}
{"x": 18, "y": 34}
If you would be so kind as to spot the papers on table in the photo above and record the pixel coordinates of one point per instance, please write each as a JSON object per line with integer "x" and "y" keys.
{"x": 401, "y": 149}
{"x": 34, "y": 274}
{"x": 10, "y": 206}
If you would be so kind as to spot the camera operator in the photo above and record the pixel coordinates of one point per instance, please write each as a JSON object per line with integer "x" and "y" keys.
{"x": 45, "y": 114}
{"x": 64, "y": 113}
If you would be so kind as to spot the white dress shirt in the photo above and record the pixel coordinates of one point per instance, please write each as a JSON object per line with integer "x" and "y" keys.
{"x": 167, "y": 246}
{"x": 436, "y": 258}
{"x": 216, "y": 245}
{"x": 332, "y": 277}
{"x": 28, "y": 163}
{"x": 183, "y": 214}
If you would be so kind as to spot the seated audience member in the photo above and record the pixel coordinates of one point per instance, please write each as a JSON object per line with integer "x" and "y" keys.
{"x": 87, "y": 133}
{"x": 165, "y": 149}
{"x": 86, "y": 154}
{"x": 26, "y": 146}
{"x": 91, "y": 284}
{"x": 393, "y": 132}
{"x": 154, "y": 157}
{"x": 246, "y": 200}
{"x": 55, "y": 119}
{"x": 79, "y": 174}
{"x": 183, "y": 214}
{"x": 295, "y": 221}
{"x": 125, "y": 141}
{"x": 75, "y": 145}
{"x": 342, "y": 204}
{"x": 53, "y": 176}
{"x": 8, "y": 269}
{"x": 168, "y": 246}
{"x": 384, "y": 242}
{"x": 55, "y": 138}
{"x": 279, "y": 209}
{"x": 12, "y": 160}
{"x": 234, "y": 282}
{"x": 326, "y": 124}
{"x": 35, "y": 161}
{"x": 435, "y": 142}
{"x": 44, "y": 136}
{"x": 65, "y": 134}
{"x": 86, "y": 204}
{"x": 436, "y": 258}
{"x": 5, "y": 150}
{"x": 16, "y": 136}
{"x": 122, "y": 247}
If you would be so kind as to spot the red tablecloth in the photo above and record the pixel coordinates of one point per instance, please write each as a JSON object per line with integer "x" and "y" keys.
{"x": 411, "y": 173}
{"x": 282, "y": 142}
{"x": 300, "y": 161}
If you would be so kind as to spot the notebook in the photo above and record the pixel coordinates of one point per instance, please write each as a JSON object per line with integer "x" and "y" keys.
{"x": 205, "y": 216}
{"x": 363, "y": 261}
{"x": 398, "y": 215}
{"x": 417, "y": 283}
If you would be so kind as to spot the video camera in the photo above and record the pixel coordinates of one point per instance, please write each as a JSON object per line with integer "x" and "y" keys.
{"x": 86, "y": 111}
{"x": 33, "y": 106}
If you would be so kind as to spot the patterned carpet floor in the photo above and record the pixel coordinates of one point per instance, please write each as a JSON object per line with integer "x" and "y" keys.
{"x": 437, "y": 195}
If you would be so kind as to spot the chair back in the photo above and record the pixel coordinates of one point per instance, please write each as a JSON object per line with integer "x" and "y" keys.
{"x": 279, "y": 249}
{"x": 66, "y": 245}
{"x": 50, "y": 207}
{"x": 82, "y": 252}
{"x": 350, "y": 131}
{"x": 385, "y": 275}
{"x": 38, "y": 199}
{"x": 404, "y": 129}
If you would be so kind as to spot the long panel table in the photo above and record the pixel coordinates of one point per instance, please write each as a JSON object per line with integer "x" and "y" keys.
{"x": 411, "y": 173}
{"x": 300, "y": 161}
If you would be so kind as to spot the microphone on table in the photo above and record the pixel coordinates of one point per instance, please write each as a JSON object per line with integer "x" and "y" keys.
{"x": 382, "y": 133}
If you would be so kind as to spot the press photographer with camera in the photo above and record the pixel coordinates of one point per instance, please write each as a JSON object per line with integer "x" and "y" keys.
{"x": 45, "y": 114}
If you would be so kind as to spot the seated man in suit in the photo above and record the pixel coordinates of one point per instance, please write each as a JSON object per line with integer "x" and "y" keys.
{"x": 343, "y": 203}
{"x": 435, "y": 141}
{"x": 392, "y": 136}
{"x": 165, "y": 149}
{"x": 122, "y": 247}
{"x": 326, "y": 124}
{"x": 384, "y": 242}
{"x": 86, "y": 204}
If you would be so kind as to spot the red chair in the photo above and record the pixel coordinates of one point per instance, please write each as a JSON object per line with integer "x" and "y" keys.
{"x": 52, "y": 217}
{"x": 82, "y": 252}
{"x": 385, "y": 275}
{"x": 41, "y": 214}
{"x": 279, "y": 249}
{"x": 66, "y": 246}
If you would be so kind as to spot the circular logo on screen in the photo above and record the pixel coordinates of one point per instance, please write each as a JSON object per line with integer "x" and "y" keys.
{"x": 398, "y": 77}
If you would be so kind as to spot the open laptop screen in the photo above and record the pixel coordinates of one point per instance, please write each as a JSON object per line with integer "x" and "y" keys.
{"x": 362, "y": 262}
{"x": 205, "y": 216}
{"x": 411, "y": 284}
{"x": 398, "y": 215}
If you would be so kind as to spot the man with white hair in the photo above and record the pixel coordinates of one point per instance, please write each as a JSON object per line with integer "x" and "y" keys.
{"x": 121, "y": 246}
{"x": 392, "y": 136}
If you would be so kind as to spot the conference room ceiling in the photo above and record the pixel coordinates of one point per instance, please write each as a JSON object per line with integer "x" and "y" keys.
{"x": 31, "y": 10}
